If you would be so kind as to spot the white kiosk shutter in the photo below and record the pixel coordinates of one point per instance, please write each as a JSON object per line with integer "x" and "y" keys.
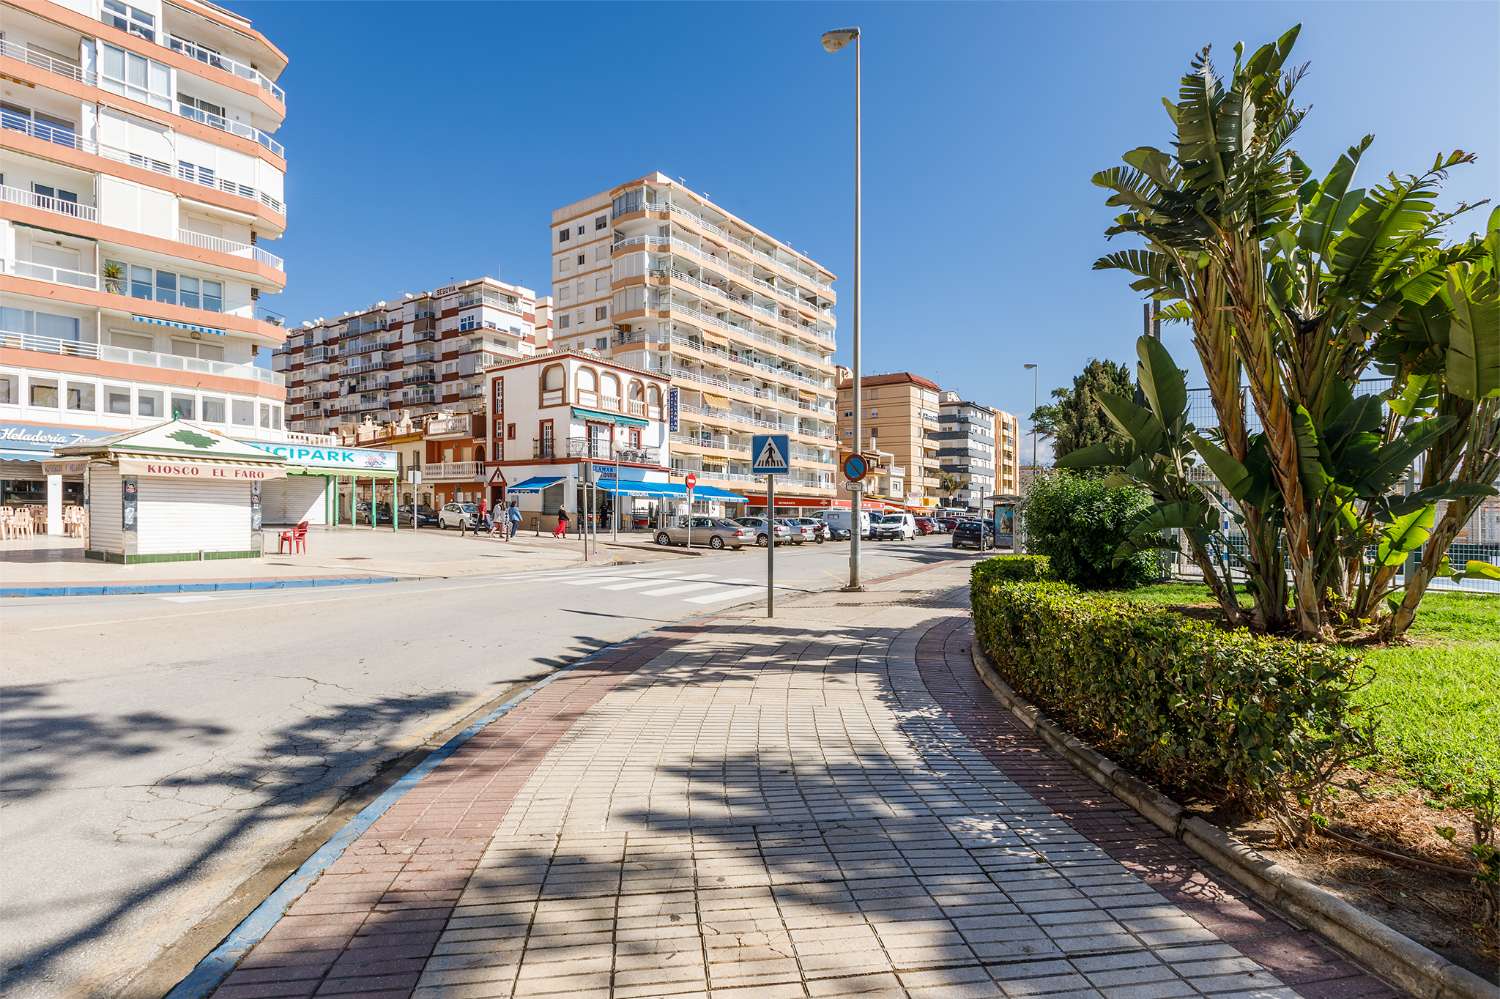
{"x": 176, "y": 516}
{"x": 293, "y": 499}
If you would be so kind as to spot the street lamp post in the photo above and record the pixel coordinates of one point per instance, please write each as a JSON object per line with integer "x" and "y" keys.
{"x": 1035, "y": 380}
{"x": 832, "y": 42}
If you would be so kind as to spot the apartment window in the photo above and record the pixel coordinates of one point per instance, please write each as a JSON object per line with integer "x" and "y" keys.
{"x": 565, "y": 293}
{"x": 601, "y": 312}
{"x": 581, "y": 258}
{"x": 562, "y": 320}
{"x": 601, "y": 222}
{"x": 581, "y": 230}
{"x": 581, "y": 316}
{"x": 510, "y": 431}
{"x": 849, "y": 414}
{"x": 117, "y": 400}
{"x": 265, "y": 416}
{"x": 148, "y": 403}
{"x": 243, "y": 412}
{"x": 166, "y": 287}
{"x": 43, "y": 126}
{"x": 213, "y": 409}
{"x": 200, "y": 110}
{"x": 47, "y": 324}
{"x": 564, "y": 264}
{"x": 118, "y": 14}
{"x": 601, "y": 252}
{"x": 275, "y": 417}
{"x": 564, "y": 234}
{"x": 182, "y": 407}
{"x": 81, "y": 397}
{"x": 601, "y": 283}
{"x": 10, "y": 390}
{"x": 61, "y": 201}
{"x": 131, "y": 341}
{"x": 43, "y": 393}
{"x": 136, "y": 77}
{"x": 602, "y": 343}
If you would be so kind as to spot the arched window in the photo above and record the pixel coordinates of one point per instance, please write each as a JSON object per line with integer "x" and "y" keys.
{"x": 553, "y": 380}
{"x": 609, "y": 390}
{"x": 586, "y": 384}
{"x": 653, "y": 402}
{"x": 636, "y": 398}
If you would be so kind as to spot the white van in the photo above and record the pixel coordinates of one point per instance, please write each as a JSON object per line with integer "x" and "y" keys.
{"x": 838, "y": 522}
{"x": 896, "y": 527}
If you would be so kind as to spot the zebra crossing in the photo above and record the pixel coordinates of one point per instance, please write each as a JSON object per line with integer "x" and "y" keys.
{"x": 688, "y": 587}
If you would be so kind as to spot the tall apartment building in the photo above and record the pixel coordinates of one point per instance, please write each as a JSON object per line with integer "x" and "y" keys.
{"x": 966, "y": 449}
{"x": 420, "y": 360}
{"x": 1007, "y": 453}
{"x": 662, "y": 278}
{"x": 901, "y": 413}
{"x": 139, "y": 180}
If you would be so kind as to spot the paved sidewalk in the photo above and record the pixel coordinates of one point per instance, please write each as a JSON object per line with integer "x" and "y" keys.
{"x": 825, "y": 804}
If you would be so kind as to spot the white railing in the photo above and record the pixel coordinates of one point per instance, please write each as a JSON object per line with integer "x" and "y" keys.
{"x": 721, "y": 264}
{"x": 144, "y": 358}
{"x": 726, "y": 357}
{"x": 700, "y": 318}
{"x": 452, "y": 471}
{"x": 219, "y": 244}
{"x": 785, "y": 265}
{"x": 231, "y": 126}
{"x": 210, "y": 58}
{"x": 295, "y": 437}
{"x": 727, "y": 414}
{"x": 29, "y": 199}
{"x": 41, "y": 60}
{"x": 718, "y": 442}
{"x": 56, "y": 275}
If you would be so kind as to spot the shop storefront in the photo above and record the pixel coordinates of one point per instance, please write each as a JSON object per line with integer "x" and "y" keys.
{"x": 27, "y": 489}
{"x": 327, "y": 486}
{"x": 173, "y": 492}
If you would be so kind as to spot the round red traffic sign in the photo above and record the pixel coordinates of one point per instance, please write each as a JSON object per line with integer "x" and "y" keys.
{"x": 692, "y": 480}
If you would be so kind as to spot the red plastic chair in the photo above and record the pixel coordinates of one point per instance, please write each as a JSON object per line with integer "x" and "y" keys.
{"x": 295, "y": 539}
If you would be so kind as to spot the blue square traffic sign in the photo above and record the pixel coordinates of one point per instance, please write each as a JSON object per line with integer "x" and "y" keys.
{"x": 770, "y": 454}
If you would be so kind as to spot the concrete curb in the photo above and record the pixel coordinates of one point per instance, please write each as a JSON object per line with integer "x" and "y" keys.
{"x": 121, "y": 589}
{"x": 1399, "y": 958}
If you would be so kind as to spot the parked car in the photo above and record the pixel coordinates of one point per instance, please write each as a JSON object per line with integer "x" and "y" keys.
{"x": 459, "y": 515}
{"x": 978, "y": 534}
{"x": 800, "y": 535}
{"x": 926, "y": 526}
{"x": 781, "y": 532}
{"x": 712, "y": 531}
{"x": 426, "y": 515}
{"x": 895, "y": 527}
{"x": 840, "y": 524}
{"x": 819, "y": 529}
{"x": 950, "y": 524}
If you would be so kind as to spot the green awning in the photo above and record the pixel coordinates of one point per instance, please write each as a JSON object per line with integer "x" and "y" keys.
{"x": 603, "y": 417}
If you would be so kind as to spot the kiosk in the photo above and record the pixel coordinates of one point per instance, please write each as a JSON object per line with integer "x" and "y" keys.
{"x": 172, "y": 492}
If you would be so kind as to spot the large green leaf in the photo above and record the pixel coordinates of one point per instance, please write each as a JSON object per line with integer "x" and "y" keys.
{"x": 1473, "y": 362}
{"x": 1136, "y": 422}
{"x": 1402, "y": 505}
{"x": 1235, "y": 477}
{"x": 1476, "y": 569}
{"x": 1162, "y": 384}
{"x": 1405, "y": 535}
{"x": 1316, "y": 230}
{"x": 1093, "y": 456}
{"x": 1146, "y": 531}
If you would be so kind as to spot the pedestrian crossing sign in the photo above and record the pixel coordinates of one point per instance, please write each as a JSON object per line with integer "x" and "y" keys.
{"x": 769, "y": 453}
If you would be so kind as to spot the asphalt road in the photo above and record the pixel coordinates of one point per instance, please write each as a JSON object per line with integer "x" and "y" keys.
{"x": 157, "y": 752}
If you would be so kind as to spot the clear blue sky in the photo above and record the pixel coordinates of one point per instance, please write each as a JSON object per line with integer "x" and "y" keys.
{"x": 428, "y": 141}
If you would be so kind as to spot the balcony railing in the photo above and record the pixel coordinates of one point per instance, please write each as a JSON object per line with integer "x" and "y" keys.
{"x": 211, "y": 58}
{"x": 41, "y": 60}
{"x": 29, "y": 199}
{"x": 718, "y": 442}
{"x": 56, "y": 275}
{"x": 785, "y": 265}
{"x": 721, "y": 264}
{"x": 231, "y": 126}
{"x": 219, "y": 244}
{"x": 453, "y": 471}
{"x": 145, "y": 358}
{"x": 594, "y": 450}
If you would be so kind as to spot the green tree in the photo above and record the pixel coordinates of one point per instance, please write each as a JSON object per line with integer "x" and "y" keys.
{"x": 1076, "y": 419}
{"x": 948, "y": 484}
{"x": 1294, "y": 286}
{"x": 1079, "y": 522}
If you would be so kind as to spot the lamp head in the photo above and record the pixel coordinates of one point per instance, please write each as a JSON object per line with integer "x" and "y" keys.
{"x": 1028, "y": 367}
{"x": 838, "y": 38}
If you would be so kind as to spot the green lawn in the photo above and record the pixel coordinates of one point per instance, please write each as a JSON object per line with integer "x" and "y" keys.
{"x": 1437, "y": 697}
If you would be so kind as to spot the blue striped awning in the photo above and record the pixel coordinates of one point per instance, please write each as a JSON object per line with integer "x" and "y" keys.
{"x": 190, "y": 327}
{"x": 535, "y": 484}
{"x": 25, "y": 455}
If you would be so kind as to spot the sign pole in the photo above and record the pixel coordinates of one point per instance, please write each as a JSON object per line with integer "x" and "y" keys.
{"x": 770, "y": 546}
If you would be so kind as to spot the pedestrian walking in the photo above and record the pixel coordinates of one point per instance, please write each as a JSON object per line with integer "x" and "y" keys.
{"x": 561, "y": 530}
{"x": 483, "y": 523}
{"x": 513, "y": 518}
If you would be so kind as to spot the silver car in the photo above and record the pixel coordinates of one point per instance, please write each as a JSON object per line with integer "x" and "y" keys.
{"x": 711, "y": 531}
{"x": 758, "y": 526}
{"x": 459, "y": 515}
{"x": 801, "y": 533}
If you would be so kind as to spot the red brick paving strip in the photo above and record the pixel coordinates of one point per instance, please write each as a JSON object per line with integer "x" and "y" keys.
{"x": 368, "y": 925}
{"x": 1294, "y": 955}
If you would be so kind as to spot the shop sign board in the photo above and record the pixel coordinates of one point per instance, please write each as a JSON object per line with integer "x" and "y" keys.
{"x": 202, "y": 471}
{"x": 30, "y": 437}
{"x": 348, "y": 459}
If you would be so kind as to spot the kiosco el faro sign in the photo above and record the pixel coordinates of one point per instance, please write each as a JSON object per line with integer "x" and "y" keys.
{"x": 313, "y": 456}
{"x": 198, "y": 470}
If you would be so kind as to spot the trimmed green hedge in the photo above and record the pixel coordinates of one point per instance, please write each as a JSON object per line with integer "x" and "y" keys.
{"x": 1262, "y": 723}
{"x": 1010, "y": 569}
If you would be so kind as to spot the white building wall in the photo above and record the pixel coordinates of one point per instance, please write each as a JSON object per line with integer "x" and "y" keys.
{"x": 192, "y": 516}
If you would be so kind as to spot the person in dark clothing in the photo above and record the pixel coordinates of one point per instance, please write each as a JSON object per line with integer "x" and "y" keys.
{"x": 561, "y": 531}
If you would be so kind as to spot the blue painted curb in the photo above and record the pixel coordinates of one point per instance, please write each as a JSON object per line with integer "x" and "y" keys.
{"x": 218, "y": 963}
{"x": 120, "y": 589}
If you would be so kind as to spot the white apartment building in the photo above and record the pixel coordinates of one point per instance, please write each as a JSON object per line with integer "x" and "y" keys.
{"x": 139, "y": 180}
{"x": 966, "y": 449}
{"x": 661, "y": 278}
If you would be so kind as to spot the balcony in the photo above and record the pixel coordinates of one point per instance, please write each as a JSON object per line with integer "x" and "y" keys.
{"x": 54, "y": 275}
{"x": 451, "y": 427}
{"x": 219, "y": 61}
{"x": 232, "y": 127}
{"x": 594, "y": 450}
{"x": 454, "y": 471}
{"x": 42, "y": 61}
{"x": 59, "y": 206}
{"x": 218, "y": 244}
{"x": 699, "y": 220}
{"x": 145, "y": 358}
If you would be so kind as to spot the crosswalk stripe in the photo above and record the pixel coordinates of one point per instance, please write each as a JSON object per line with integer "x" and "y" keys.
{"x": 636, "y": 584}
{"x": 594, "y": 579}
{"x": 686, "y": 588}
{"x": 713, "y": 598}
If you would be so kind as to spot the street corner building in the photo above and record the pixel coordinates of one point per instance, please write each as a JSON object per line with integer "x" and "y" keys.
{"x": 140, "y": 182}
{"x": 173, "y": 492}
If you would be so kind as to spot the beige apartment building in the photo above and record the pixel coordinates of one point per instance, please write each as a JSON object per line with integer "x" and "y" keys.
{"x": 1007, "y": 453}
{"x": 659, "y": 277}
{"x": 900, "y": 417}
